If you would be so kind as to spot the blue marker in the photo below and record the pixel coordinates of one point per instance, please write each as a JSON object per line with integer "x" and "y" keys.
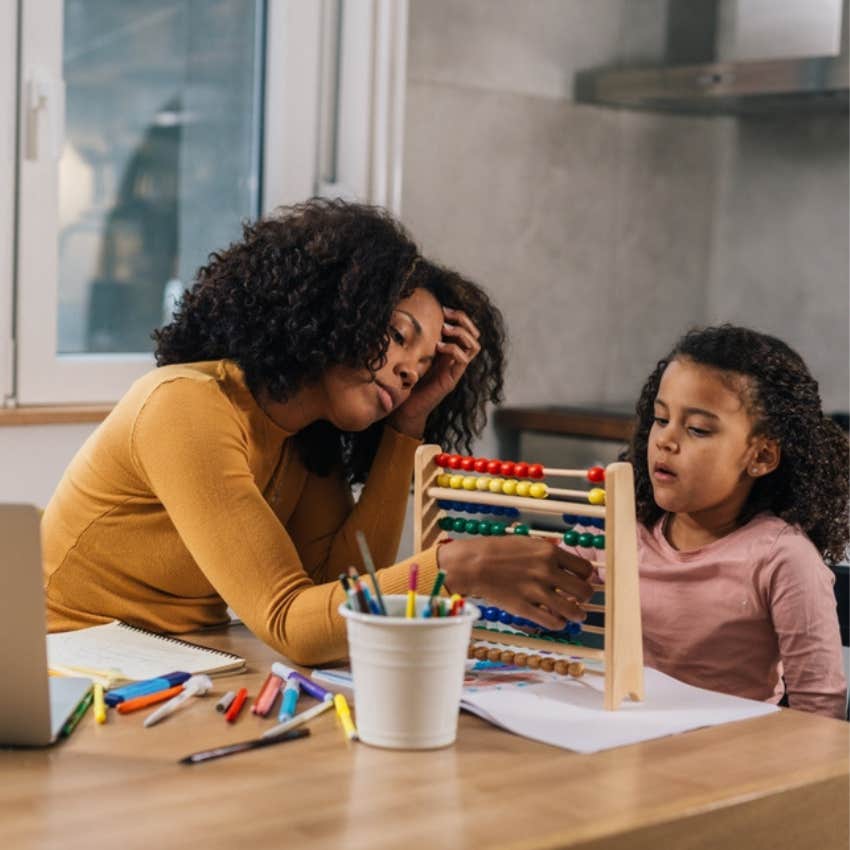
{"x": 373, "y": 606}
{"x": 290, "y": 699}
{"x": 148, "y": 686}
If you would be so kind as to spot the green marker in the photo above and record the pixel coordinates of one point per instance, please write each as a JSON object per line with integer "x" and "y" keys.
{"x": 435, "y": 590}
{"x": 79, "y": 711}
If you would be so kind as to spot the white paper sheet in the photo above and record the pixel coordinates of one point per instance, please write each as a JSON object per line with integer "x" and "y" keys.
{"x": 568, "y": 712}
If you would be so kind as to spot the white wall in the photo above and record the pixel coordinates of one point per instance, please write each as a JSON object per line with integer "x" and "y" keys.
{"x": 33, "y": 458}
{"x": 603, "y": 234}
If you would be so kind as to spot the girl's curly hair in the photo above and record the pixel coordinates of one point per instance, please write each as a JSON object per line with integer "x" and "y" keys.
{"x": 315, "y": 286}
{"x": 809, "y": 488}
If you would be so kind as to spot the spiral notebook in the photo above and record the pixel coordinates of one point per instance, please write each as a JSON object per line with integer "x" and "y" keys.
{"x": 134, "y": 653}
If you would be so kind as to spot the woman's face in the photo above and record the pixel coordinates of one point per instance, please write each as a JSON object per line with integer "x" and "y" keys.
{"x": 354, "y": 399}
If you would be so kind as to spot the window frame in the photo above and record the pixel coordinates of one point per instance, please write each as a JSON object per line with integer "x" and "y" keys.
{"x": 374, "y": 33}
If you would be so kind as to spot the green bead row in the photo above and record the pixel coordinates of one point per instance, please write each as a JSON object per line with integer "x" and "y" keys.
{"x": 496, "y": 529}
{"x": 573, "y": 538}
{"x": 478, "y": 526}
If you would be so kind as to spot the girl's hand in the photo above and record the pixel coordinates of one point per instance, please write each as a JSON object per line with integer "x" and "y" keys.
{"x": 527, "y": 576}
{"x": 455, "y": 352}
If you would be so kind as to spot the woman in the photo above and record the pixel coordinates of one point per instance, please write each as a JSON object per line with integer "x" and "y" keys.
{"x": 315, "y": 354}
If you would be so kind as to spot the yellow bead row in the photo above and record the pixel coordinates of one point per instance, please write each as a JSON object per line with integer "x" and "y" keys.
{"x": 511, "y": 487}
{"x": 506, "y": 486}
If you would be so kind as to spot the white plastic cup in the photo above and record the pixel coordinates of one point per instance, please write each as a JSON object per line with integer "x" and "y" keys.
{"x": 408, "y": 674}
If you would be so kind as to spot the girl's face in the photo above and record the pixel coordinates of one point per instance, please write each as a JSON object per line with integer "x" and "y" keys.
{"x": 703, "y": 458}
{"x": 355, "y": 400}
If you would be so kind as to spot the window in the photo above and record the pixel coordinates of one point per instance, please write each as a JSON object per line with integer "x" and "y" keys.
{"x": 148, "y": 131}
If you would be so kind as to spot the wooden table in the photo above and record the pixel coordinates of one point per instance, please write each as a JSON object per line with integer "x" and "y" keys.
{"x": 775, "y": 782}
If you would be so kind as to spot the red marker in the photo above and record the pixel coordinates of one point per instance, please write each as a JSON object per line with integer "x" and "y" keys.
{"x": 236, "y": 705}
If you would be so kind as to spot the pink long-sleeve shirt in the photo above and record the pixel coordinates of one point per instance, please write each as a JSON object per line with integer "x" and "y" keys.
{"x": 743, "y": 612}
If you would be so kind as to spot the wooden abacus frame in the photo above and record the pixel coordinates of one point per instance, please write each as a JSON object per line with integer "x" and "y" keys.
{"x": 622, "y": 655}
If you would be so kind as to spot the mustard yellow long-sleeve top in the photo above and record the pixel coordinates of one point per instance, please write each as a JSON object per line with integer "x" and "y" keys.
{"x": 188, "y": 498}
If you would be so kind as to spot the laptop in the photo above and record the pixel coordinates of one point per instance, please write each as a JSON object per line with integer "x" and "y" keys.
{"x": 34, "y": 707}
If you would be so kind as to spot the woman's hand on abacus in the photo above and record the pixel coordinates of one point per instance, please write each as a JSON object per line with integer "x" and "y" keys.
{"x": 527, "y": 576}
{"x": 455, "y": 351}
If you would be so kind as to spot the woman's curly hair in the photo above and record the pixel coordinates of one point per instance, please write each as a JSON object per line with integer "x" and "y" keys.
{"x": 314, "y": 286}
{"x": 809, "y": 488}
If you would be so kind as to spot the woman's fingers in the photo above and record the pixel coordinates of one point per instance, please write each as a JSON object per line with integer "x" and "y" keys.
{"x": 525, "y": 575}
{"x": 458, "y": 317}
{"x": 572, "y": 563}
{"x": 540, "y": 615}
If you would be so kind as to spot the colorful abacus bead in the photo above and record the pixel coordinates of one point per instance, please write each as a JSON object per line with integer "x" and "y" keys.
{"x": 467, "y": 464}
{"x": 453, "y": 461}
{"x": 537, "y": 490}
{"x": 598, "y": 541}
{"x": 535, "y": 470}
{"x": 521, "y": 470}
{"x": 494, "y": 467}
{"x": 480, "y": 464}
{"x": 522, "y": 529}
{"x": 506, "y": 467}
{"x": 596, "y": 496}
{"x": 523, "y": 488}
{"x": 585, "y": 539}
{"x": 456, "y": 482}
{"x": 596, "y": 474}
{"x": 443, "y": 479}
{"x": 442, "y": 459}
{"x": 469, "y": 482}
{"x": 571, "y": 538}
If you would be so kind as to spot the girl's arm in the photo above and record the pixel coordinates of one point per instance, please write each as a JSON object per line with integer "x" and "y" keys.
{"x": 803, "y": 610}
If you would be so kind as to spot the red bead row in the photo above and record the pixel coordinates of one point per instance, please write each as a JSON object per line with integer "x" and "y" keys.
{"x": 491, "y": 467}
{"x": 503, "y": 467}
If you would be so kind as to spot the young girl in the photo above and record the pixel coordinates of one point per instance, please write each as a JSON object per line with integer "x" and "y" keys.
{"x": 741, "y": 486}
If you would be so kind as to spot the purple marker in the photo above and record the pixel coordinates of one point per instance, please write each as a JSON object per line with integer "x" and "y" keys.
{"x": 308, "y": 686}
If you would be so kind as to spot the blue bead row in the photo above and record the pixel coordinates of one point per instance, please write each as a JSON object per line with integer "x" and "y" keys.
{"x": 496, "y": 615}
{"x": 470, "y": 508}
{"x": 587, "y": 521}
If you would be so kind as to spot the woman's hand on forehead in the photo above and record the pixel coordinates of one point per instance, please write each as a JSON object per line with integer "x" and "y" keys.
{"x": 455, "y": 351}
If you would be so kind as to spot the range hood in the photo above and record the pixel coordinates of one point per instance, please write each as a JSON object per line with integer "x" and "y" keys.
{"x": 798, "y": 84}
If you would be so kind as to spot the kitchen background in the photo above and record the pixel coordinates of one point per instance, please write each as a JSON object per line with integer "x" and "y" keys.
{"x": 603, "y": 233}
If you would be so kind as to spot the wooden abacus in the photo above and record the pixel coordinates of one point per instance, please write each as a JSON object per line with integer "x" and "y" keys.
{"x": 514, "y": 489}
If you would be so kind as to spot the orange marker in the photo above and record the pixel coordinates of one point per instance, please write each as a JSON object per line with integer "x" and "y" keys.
{"x": 236, "y": 706}
{"x": 148, "y": 699}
